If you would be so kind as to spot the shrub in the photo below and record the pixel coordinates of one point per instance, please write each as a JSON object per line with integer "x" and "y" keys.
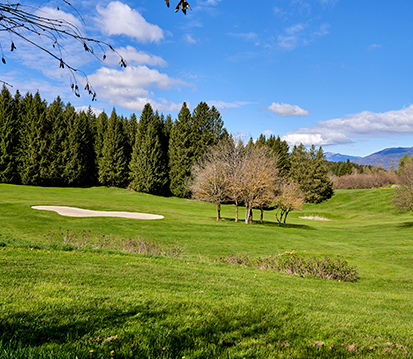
{"x": 293, "y": 263}
{"x": 363, "y": 180}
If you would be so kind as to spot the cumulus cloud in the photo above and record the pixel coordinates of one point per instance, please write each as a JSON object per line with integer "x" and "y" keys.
{"x": 119, "y": 19}
{"x": 267, "y": 132}
{"x": 365, "y": 124}
{"x": 130, "y": 88}
{"x": 285, "y": 110}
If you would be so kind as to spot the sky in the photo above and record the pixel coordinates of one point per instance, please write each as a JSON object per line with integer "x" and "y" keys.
{"x": 333, "y": 73}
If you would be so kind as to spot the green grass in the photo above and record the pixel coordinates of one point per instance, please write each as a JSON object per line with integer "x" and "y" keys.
{"x": 62, "y": 304}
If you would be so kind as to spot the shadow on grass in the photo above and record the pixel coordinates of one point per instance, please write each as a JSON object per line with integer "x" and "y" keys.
{"x": 271, "y": 224}
{"x": 145, "y": 330}
{"x": 405, "y": 225}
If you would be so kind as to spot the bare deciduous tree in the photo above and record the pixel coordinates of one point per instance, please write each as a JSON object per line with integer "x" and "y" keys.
{"x": 403, "y": 196}
{"x": 233, "y": 152}
{"x": 289, "y": 197}
{"x": 258, "y": 180}
{"x": 211, "y": 181}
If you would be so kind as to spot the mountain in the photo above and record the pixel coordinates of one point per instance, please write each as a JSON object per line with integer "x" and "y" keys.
{"x": 383, "y": 157}
{"x": 338, "y": 157}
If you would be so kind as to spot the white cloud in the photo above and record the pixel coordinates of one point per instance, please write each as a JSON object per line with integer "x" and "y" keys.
{"x": 96, "y": 111}
{"x": 318, "y": 139}
{"x": 250, "y": 36}
{"x": 211, "y": 2}
{"x": 365, "y": 124}
{"x": 267, "y": 132}
{"x": 224, "y": 107}
{"x": 285, "y": 109}
{"x": 301, "y": 34}
{"x": 52, "y": 13}
{"x": 119, "y": 19}
{"x": 129, "y": 88}
{"x": 189, "y": 39}
{"x": 374, "y": 46}
{"x": 134, "y": 57}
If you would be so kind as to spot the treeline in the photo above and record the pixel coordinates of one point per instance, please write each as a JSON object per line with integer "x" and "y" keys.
{"x": 53, "y": 145}
{"x": 343, "y": 168}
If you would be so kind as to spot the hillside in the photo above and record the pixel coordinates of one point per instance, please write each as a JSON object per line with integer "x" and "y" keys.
{"x": 383, "y": 157}
{"x": 64, "y": 297}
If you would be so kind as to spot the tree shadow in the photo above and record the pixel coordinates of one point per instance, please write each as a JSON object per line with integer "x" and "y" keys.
{"x": 290, "y": 225}
{"x": 271, "y": 224}
{"x": 405, "y": 225}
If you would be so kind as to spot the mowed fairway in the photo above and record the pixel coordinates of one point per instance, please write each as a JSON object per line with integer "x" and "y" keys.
{"x": 100, "y": 303}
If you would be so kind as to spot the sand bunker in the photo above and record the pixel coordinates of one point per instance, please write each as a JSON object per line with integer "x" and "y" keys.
{"x": 316, "y": 218}
{"x": 78, "y": 212}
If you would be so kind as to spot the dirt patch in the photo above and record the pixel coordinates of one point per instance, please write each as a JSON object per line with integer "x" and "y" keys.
{"x": 78, "y": 212}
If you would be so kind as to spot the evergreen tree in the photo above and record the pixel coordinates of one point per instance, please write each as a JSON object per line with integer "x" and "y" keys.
{"x": 131, "y": 127}
{"x": 345, "y": 168}
{"x": 180, "y": 153}
{"x": 112, "y": 162}
{"x": 320, "y": 187}
{"x": 100, "y": 132}
{"x": 9, "y": 137}
{"x": 34, "y": 141}
{"x": 148, "y": 167}
{"x": 280, "y": 149}
{"x": 166, "y": 136}
{"x": 78, "y": 149}
{"x": 309, "y": 170}
{"x": 58, "y": 134}
{"x": 207, "y": 128}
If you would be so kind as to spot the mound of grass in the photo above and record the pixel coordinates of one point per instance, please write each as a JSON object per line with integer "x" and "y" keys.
{"x": 298, "y": 264}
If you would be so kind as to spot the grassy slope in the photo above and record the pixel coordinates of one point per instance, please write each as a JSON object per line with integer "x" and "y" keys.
{"x": 196, "y": 307}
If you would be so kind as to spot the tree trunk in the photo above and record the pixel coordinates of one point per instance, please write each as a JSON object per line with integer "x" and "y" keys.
{"x": 236, "y": 211}
{"x": 218, "y": 207}
{"x": 250, "y": 215}
{"x": 247, "y": 214}
{"x": 262, "y": 215}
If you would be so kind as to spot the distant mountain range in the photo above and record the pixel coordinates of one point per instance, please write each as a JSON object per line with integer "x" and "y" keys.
{"x": 383, "y": 157}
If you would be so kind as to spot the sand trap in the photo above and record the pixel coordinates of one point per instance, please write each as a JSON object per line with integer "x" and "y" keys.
{"x": 316, "y": 218}
{"x": 78, "y": 212}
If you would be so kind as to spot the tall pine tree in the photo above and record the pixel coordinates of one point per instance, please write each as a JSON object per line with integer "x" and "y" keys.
{"x": 308, "y": 169}
{"x": 148, "y": 163}
{"x": 180, "y": 153}
{"x": 112, "y": 163}
{"x": 9, "y": 137}
{"x": 78, "y": 148}
{"x": 34, "y": 141}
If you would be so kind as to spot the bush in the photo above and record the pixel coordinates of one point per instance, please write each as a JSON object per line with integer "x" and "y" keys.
{"x": 303, "y": 266}
{"x": 363, "y": 180}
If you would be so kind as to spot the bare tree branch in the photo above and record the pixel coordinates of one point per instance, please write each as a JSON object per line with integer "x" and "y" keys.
{"x": 47, "y": 34}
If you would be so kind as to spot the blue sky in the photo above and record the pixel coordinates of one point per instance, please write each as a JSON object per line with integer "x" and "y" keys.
{"x": 336, "y": 73}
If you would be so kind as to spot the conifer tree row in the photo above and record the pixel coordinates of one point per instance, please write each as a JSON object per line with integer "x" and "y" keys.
{"x": 54, "y": 145}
